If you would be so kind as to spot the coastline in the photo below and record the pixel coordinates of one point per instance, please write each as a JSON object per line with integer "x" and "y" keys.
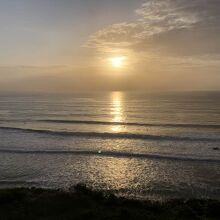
{"x": 80, "y": 202}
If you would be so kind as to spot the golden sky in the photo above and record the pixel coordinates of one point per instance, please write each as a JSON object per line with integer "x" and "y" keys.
{"x": 65, "y": 46}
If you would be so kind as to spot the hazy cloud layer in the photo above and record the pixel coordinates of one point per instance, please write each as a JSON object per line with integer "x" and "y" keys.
{"x": 168, "y": 44}
{"x": 174, "y": 27}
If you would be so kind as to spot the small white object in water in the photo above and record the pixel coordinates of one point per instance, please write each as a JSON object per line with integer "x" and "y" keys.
{"x": 99, "y": 151}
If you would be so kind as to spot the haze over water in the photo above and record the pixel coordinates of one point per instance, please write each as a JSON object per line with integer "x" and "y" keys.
{"x": 134, "y": 144}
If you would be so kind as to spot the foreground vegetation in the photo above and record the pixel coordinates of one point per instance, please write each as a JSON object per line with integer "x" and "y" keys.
{"x": 83, "y": 203}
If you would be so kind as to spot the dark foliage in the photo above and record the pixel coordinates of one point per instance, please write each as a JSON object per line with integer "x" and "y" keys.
{"x": 82, "y": 203}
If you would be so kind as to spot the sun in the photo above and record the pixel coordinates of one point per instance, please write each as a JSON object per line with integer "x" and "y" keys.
{"x": 117, "y": 62}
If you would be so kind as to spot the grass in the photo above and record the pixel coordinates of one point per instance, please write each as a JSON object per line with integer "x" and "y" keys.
{"x": 81, "y": 202}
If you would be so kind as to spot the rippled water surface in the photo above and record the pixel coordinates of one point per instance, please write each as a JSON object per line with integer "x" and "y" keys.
{"x": 144, "y": 145}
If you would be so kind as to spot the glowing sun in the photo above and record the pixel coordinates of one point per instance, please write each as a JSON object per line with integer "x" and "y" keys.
{"x": 117, "y": 62}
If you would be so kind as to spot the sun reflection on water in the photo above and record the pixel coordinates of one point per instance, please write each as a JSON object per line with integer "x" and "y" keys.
{"x": 113, "y": 173}
{"x": 117, "y": 111}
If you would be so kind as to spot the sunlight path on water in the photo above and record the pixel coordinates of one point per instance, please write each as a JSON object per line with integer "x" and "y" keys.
{"x": 117, "y": 112}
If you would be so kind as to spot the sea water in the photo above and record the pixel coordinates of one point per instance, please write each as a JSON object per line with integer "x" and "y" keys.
{"x": 155, "y": 145}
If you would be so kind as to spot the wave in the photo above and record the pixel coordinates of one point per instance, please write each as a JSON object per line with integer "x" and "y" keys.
{"x": 133, "y": 123}
{"x": 116, "y": 154}
{"x": 106, "y": 135}
{"x": 92, "y": 122}
{"x": 16, "y": 182}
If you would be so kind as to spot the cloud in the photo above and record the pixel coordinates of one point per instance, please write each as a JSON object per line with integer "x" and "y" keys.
{"x": 169, "y": 27}
{"x": 160, "y": 16}
{"x": 116, "y": 35}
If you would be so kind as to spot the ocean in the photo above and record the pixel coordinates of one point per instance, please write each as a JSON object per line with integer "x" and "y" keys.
{"x": 155, "y": 145}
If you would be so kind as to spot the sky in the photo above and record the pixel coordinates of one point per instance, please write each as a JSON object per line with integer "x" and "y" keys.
{"x": 69, "y": 45}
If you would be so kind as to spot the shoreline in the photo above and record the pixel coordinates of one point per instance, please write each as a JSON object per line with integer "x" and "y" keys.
{"x": 81, "y": 202}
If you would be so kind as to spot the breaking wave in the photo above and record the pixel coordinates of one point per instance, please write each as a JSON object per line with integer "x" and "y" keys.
{"x": 107, "y": 135}
{"x": 111, "y": 154}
